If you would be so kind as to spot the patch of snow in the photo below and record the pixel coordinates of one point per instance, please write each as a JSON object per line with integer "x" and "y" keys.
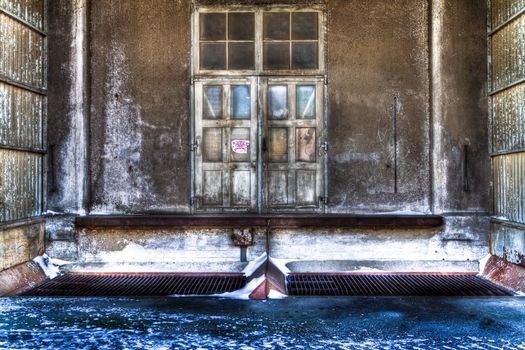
{"x": 52, "y": 213}
{"x": 483, "y": 263}
{"x": 365, "y": 269}
{"x": 243, "y": 293}
{"x": 273, "y": 294}
{"x": 281, "y": 264}
{"x": 254, "y": 265}
{"x": 51, "y": 267}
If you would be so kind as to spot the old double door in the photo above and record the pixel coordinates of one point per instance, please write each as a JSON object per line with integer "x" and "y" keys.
{"x": 259, "y": 144}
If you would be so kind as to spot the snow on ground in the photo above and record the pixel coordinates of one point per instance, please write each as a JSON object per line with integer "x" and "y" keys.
{"x": 254, "y": 265}
{"x": 50, "y": 266}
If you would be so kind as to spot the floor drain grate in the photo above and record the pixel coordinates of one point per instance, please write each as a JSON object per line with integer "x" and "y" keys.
{"x": 311, "y": 284}
{"x": 137, "y": 284}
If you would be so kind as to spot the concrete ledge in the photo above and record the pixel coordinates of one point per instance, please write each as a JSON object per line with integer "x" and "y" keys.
{"x": 382, "y": 221}
{"x": 506, "y": 274}
{"x": 20, "y": 278}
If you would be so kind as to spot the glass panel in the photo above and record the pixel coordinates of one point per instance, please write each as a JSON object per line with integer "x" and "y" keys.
{"x": 278, "y": 145}
{"x": 277, "y": 55}
{"x": 212, "y": 145}
{"x": 304, "y": 55}
{"x": 241, "y": 56}
{"x": 304, "y": 26}
{"x": 240, "y": 145}
{"x": 240, "y": 102}
{"x": 241, "y": 26}
{"x": 213, "y": 26}
{"x": 276, "y": 26}
{"x": 278, "y": 102}
{"x": 213, "y": 56}
{"x": 212, "y": 102}
{"x": 305, "y": 101}
{"x": 305, "y": 144}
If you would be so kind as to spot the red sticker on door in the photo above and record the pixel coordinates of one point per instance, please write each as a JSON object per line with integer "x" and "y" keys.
{"x": 240, "y": 146}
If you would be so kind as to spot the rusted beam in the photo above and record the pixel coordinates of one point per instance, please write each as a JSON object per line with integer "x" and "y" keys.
{"x": 381, "y": 221}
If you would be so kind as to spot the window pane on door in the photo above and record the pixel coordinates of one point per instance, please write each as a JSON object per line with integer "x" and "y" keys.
{"x": 241, "y": 56}
{"x": 278, "y": 145}
{"x": 212, "y": 144}
{"x": 276, "y": 26}
{"x": 240, "y": 102}
{"x": 213, "y": 26}
{"x": 241, "y": 26}
{"x": 276, "y": 56}
{"x": 212, "y": 102}
{"x": 305, "y": 101}
{"x": 304, "y": 26}
{"x": 278, "y": 101}
{"x": 305, "y": 144}
{"x": 213, "y": 56}
{"x": 304, "y": 55}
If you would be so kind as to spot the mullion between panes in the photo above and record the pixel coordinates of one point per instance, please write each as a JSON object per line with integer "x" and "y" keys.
{"x": 226, "y": 199}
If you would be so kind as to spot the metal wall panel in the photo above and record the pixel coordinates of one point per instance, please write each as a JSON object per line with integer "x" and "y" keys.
{"x": 20, "y": 185}
{"x": 22, "y": 52}
{"x": 508, "y": 124}
{"x": 507, "y": 106}
{"x": 22, "y": 108}
{"x": 503, "y": 10}
{"x": 30, "y": 11}
{"x": 509, "y": 187}
{"x": 21, "y": 117}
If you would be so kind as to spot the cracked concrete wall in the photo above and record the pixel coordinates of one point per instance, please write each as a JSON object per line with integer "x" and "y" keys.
{"x": 381, "y": 56}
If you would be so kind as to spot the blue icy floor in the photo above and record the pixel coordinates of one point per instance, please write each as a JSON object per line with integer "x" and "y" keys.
{"x": 291, "y": 323}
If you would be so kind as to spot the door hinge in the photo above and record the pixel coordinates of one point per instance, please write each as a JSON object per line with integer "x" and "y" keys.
{"x": 194, "y": 145}
{"x": 323, "y": 147}
{"x": 325, "y": 79}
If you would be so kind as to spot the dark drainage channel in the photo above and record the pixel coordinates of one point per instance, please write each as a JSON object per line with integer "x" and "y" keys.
{"x": 312, "y": 284}
{"x": 137, "y": 284}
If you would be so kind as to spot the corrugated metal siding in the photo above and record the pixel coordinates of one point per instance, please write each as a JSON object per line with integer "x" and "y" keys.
{"x": 509, "y": 120}
{"x": 507, "y": 106}
{"x": 22, "y": 107}
{"x": 21, "y": 117}
{"x": 509, "y": 187}
{"x": 22, "y": 51}
{"x": 502, "y": 10}
{"x": 20, "y": 185}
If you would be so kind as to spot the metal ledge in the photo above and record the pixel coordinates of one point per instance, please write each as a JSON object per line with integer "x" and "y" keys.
{"x": 378, "y": 221}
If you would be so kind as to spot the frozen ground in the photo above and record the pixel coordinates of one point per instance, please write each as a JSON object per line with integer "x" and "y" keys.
{"x": 291, "y": 323}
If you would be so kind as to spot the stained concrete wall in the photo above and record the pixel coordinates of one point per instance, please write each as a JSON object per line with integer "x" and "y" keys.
{"x": 139, "y": 84}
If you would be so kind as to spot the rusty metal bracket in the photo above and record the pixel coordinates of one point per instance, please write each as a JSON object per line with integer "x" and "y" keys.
{"x": 242, "y": 237}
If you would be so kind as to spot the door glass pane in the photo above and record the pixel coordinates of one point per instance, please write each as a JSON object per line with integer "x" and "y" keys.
{"x": 278, "y": 101}
{"x": 240, "y": 102}
{"x": 213, "y": 26}
{"x": 241, "y": 56}
{"x": 212, "y": 102}
{"x": 304, "y": 26}
{"x": 213, "y": 56}
{"x": 276, "y": 55}
{"x": 305, "y": 144}
{"x": 240, "y": 145}
{"x": 305, "y": 101}
{"x": 241, "y": 26}
{"x": 278, "y": 145}
{"x": 212, "y": 145}
{"x": 276, "y": 26}
{"x": 304, "y": 55}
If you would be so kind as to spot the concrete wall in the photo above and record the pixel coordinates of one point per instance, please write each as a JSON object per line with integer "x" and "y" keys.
{"x": 139, "y": 85}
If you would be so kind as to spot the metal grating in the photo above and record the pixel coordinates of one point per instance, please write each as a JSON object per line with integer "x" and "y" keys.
{"x": 137, "y": 284}
{"x": 391, "y": 285}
